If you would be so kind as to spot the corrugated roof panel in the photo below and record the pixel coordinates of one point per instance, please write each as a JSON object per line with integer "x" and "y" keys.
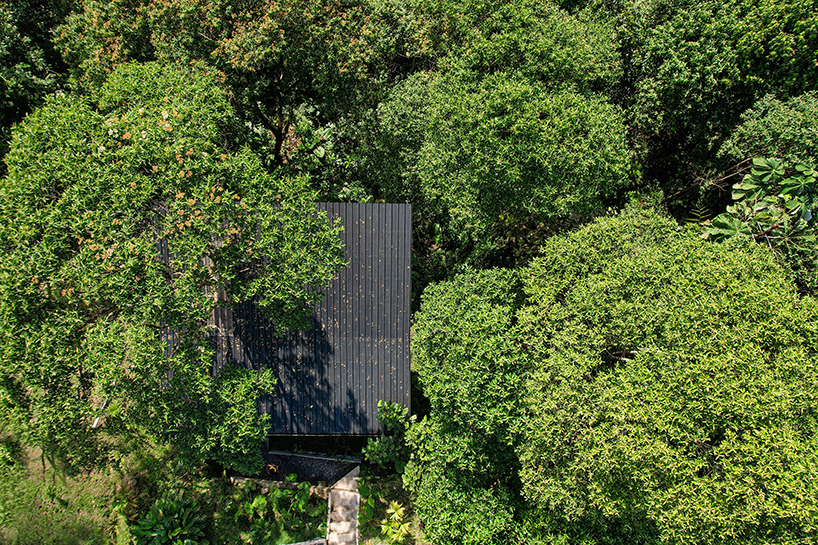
{"x": 356, "y": 350}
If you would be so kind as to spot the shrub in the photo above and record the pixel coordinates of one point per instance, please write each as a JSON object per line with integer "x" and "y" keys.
{"x": 378, "y": 494}
{"x": 390, "y": 448}
{"x": 393, "y": 528}
{"x": 506, "y": 151}
{"x": 783, "y": 129}
{"x": 246, "y": 515}
{"x": 773, "y": 206}
{"x": 463, "y": 470}
{"x": 457, "y": 508}
{"x": 173, "y": 520}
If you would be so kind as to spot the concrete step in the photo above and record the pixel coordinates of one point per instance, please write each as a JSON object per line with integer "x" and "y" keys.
{"x": 342, "y": 527}
{"x": 343, "y": 516}
{"x": 344, "y": 502}
{"x": 342, "y": 539}
{"x": 349, "y": 481}
{"x": 342, "y": 499}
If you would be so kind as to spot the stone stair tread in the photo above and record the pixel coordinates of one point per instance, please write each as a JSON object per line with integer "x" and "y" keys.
{"x": 340, "y": 494}
{"x": 342, "y": 539}
{"x": 348, "y": 481}
{"x": 343, "y": 516}
{"x": 343, "y": 500}
{"x": 343, "y": 526}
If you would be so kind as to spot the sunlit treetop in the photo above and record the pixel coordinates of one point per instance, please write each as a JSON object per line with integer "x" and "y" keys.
{"x": 94, "y": 193}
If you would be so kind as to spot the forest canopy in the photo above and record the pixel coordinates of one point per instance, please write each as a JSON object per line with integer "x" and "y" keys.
{"x": 620, "y": 389}
{"x": 614, "y": 245}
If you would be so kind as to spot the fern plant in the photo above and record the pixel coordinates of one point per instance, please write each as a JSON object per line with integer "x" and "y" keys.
{"x": 393, "y": 527}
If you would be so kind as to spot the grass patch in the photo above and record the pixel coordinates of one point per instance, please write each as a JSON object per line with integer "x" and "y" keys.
{"x": 40, "y": 505}
{"x": 44, "y": 505}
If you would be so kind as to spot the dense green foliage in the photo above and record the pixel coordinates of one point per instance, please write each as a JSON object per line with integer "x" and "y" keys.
{"x": 773, "y": 128}
{"x": 771, "y": 207}
{"x": 535, "y": 40}
{"x": 463, "y": 469}
{"x": 29, "y": 66}
{"x": 390, "y": 451}
{"x": 674, "y": 391}
{"x": 507, "y": 151}
{"x": 624, "y": 383}
{"x": 91, "y": 197}
{"x": 273, "y": 56}
{"x": 172, "y": 519}
{"x": 774, "y": 205}
{"x": 628, "y": 397}
{"x": 690, "y": 69}
{"x": 503, "y": 133}
{"x": 248, "y": 515}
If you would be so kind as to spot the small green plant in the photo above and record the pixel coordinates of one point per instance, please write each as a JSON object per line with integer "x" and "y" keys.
{"x": 281, "y": 516}
{"x": 384, "y": 500}
{"x": 391, "y": 446}
{"x": 774, "y": 205}
{"x": 173, "y": 520}
{"x": 393, "y": 527}
{"x": 366, "y": 509}
{"x": 770, "y": 206}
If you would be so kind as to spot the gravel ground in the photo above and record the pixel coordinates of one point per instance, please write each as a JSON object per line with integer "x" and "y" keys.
{"x": 313, "y": 470}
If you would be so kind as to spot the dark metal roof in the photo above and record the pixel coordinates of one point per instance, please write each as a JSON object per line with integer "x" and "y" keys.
{"x": 356, "y": 350}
